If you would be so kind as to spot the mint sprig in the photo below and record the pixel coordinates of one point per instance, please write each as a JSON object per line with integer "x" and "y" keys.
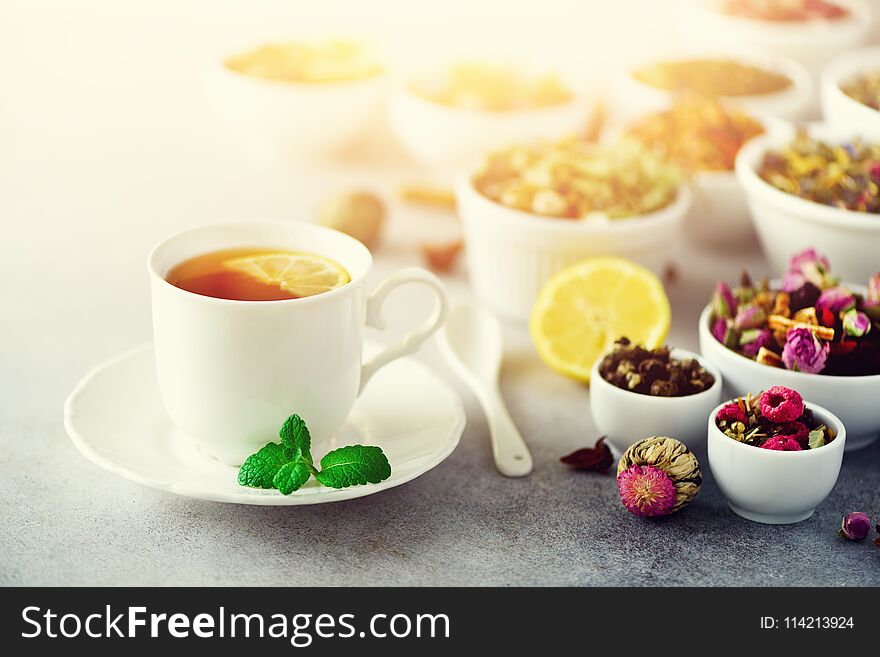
{"x": 288, "y": 466}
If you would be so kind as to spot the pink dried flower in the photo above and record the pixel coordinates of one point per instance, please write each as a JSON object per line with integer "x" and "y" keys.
{"x": 835, "y": 300}
{"x": 731, "y": 413}
{"x": 807, "y": 267}
{"x": 751, "y": 316}
{"x": 856, "y": 324}
{"x": 796, "y": 430}
{"x": 752, "y": 340}
{"x": 780, "y": 404}
{"x": 782, "y": 444}
{"x": 855, "y": 526}
{"x": 803, "y": 352}
{"x": 719, "y": 329}
{"x": 723, "y": 302}
{"x": 646, "y": 490}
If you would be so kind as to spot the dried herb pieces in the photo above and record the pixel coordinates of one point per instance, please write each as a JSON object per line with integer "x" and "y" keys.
{"x": 864, "y": 88}
{"x": 845, "y": 176}
{"x": 574, "y": 179}
{"x": 813, "y": 324}
{"x": 596, "y": 459}
{"x": 697, "y": 134}
{"x": 712, "y": 77}
{"x": 653, "y": 371}
{"x": 775, "y": 419}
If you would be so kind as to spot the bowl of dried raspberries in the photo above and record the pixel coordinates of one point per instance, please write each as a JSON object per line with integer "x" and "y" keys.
{"x": 809, "y": 331}
{"x": 529, "y": 211}
{"x": 818, "y": 186}
{"x": 637, "y": 392}
{"x": 850, "y": 90}
{"x": 774, "y": 456}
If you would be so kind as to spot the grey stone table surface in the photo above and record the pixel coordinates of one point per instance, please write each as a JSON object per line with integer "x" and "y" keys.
{"x": 95, "y": 168}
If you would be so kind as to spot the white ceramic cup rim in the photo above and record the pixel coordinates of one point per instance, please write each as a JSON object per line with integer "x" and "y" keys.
{"x": 820, "y": 413}
{"x": 681, "y": 400}
{"x": 356, "y": 278}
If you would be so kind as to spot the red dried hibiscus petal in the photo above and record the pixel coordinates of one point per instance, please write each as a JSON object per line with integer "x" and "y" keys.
{"x": 596, "y": 459}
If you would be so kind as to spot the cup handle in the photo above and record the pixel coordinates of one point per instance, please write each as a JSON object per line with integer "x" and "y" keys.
{"x": 413, "y": 340}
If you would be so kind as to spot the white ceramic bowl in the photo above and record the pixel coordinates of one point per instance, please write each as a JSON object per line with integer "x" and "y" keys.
{"x": 811, "y": 44}
{"x": 853, "y": 398}
{"x": 446, "y": 138}
{"x": 632, "y": 98}
{"x": 290, "y": 120}
{"x": 512, "y": 253}
{"x": 626, "y": 417}
{"x": 776, "y": 488}
{"x": 787, "y": 224}
{"x": 839, "y": 110}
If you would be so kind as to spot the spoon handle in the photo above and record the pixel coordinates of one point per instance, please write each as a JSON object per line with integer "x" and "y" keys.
{"x": 512, "y": 457}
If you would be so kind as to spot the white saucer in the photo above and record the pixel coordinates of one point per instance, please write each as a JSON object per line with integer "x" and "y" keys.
{"x": 116, "y": 419}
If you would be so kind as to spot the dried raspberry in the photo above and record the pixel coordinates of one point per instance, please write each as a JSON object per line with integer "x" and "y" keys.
{"x": 731, "y": 413}
{"x": 780, "y": 404}
{"x": 782, "y": 444}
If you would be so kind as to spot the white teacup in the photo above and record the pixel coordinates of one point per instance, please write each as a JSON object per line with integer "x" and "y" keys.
{"x": 230, "y": 372}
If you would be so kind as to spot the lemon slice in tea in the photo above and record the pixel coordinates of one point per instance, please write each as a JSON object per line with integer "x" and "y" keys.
{"x": 584, "y": 308}
{"x": 298, "y": 274}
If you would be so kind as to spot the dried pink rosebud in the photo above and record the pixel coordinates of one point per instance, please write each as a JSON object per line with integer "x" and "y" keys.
{"x": 796, "y": 430}
{"x": 803, "y": 352}
{"x": 855, "y": 526}
{"x": 873, "y": 294}
{"x": 731, "y": 413}
{"x": 856, "y": 324}
{"x": 807, "y": 267}
{"x": 751, "y": 316}
{"x": 835, "y": 300}
{"x": 782, "y": 444}
{"x": 723, "y": 331}
{"x": 780, "y": 404}
{"x": 872, "y": 310}
{"x": 646, "y": 490}
{"x": 723, "y": 302}
{"x": 753, "y": 340}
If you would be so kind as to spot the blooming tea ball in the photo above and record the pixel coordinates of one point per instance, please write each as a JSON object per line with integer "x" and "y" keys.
{"x": 658, "y": 476}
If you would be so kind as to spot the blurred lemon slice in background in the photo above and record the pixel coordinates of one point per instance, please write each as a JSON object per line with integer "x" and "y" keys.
{"x": 584, "y": 308}
{"x": 298, "y": 274}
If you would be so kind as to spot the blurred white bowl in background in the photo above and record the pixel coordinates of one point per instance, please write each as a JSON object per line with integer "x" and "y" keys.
{"x": 632, "y": 99}
{"x": 839, "y": 110}
{"x": 446, "y": 137}
{"x": 284, "y": 121}
{"x": 512, "y": 253}
{"x": 787, "y": 224}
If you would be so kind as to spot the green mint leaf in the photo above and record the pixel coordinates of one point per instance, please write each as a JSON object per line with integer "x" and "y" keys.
{"x": 259, "y": 470}
{"x": 295, "y": 434}
{"x": 353, "y": 465}
{"x": 291, "y": 476}
{"x": 817, "y": 437}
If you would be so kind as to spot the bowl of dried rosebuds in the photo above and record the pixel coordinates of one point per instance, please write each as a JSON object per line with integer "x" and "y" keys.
{"x": 530, "y": 211}
{"x": 808, "y": 331}
{"x": 775, "y": 457}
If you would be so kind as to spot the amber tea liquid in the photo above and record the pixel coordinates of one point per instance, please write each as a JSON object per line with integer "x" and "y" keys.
{"x": 208, "y": 275}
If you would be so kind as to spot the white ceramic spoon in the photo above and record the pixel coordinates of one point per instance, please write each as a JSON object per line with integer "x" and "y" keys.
{"x": 471, "y": 341}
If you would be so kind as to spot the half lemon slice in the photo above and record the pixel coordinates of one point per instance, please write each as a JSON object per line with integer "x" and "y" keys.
{"x": 584, "y": 308}
{"x": 298, "y": 274}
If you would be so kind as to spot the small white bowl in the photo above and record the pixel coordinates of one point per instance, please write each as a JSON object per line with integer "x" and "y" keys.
{"x": 811, "y": 44}
{"x": 839, "y": 110}
{"x": 626, "y": 417}
{"x": 281, "y": 120}
{"x": 787, "y": 224}
{"x": 776, "y": 488}
{"x": 447, "y": 137}
{"x": 853, "y": 398}
{"x": 511, "y": 253}
{"x": 632, "y": 98}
